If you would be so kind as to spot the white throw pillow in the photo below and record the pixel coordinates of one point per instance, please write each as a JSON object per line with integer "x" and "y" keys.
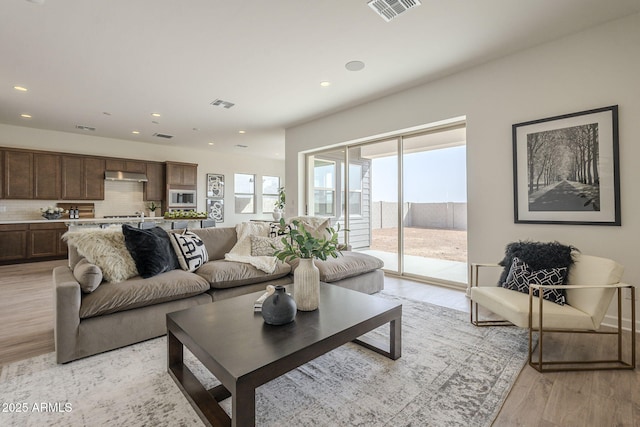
{"x": 244, "y": 231}
{"x": 189, "y": 249}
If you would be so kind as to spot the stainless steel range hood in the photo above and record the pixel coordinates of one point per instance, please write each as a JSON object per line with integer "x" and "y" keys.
{"x": 125, "y": 176}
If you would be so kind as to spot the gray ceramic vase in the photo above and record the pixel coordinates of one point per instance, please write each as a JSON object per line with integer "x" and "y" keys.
{"x": 279, "y": 308}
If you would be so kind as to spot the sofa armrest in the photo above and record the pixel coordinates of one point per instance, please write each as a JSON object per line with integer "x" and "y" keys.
{"x": 67, "y": 299}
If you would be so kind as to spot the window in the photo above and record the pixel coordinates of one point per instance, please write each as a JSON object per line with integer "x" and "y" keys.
{"x": 270, "y": 186}
{"x": 245, "y": 193}
{"x": 324, "y": 187}
{"x": 355, "y": 189}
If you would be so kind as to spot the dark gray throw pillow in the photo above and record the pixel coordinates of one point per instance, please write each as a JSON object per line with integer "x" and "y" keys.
{"x": 521, "y": 275}
{"x": 150, "y": 249}
{"x": 537, "y": 255}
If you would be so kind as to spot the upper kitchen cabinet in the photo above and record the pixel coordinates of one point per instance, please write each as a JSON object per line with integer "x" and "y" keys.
{"x": 182, "y": 174}
{"x": 82, "y": 178}
{"x": 18, "y": 174}
{"x": 124, "y": 165}
{"x": 46, "y": 176}
{"x": 154, "y": 188}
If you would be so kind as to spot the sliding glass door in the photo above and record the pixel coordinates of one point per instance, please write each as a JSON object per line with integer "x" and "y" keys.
{"x": 402, "y": 198}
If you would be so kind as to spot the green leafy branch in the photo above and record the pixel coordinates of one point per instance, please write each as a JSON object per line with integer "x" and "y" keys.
{"x": 299, "y": 243}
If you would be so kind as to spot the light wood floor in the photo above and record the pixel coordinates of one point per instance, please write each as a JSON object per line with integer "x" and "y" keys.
{"x": 600, "y": 398}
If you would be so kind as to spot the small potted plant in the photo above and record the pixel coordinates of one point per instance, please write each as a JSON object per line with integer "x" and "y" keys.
{"x": 278, "y": 209}
{"x": 297, "y": 242}
{"x": 152, "y": 209}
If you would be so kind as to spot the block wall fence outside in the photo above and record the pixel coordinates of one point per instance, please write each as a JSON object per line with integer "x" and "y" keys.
{"x": 446, "y": 215}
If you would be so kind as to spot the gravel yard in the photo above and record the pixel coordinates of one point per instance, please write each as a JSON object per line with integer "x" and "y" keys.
{"x": 425, "y": 242}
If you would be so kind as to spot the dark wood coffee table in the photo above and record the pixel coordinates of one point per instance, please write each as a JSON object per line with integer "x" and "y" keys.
{"x": 243, "y": 352}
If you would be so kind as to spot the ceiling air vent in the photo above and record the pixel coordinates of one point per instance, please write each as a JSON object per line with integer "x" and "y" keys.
{"x": 221, "y": 103}
{"x": 241, "y": 146}
{"x": 81, "y": 127}
{"x": 389, "y": 9}
{"x": 163, "y": 135}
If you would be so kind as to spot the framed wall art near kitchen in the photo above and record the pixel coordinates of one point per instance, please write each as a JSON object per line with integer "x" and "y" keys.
{"x": 215, "y": 185}
{"x": 215, "y": 209}
{"x": 566, "y": 169}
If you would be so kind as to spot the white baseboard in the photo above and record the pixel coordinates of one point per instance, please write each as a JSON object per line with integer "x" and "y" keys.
{"x": 612, "y": 321}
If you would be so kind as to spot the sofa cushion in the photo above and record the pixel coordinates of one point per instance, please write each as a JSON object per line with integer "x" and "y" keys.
{"x": 104, "y": 247}
{"x": 189, "y": 249}
{"x": 218, "y": 241}
{"x": 521, "y": 275}
{"x": 139, "y": 292}
{"x": 348, "y": 264}
{"x": 88, "y": 275}
{"x": 223, "y": 274}
{"x": 150, "y": 249}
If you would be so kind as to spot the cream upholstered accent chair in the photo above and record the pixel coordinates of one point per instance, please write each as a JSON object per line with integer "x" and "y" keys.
{"x": 591, "y": 285}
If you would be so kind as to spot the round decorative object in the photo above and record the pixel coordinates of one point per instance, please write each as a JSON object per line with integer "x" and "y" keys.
{"x": 306, "y": 285}
{"x": 52, "y": 215}
{"x": 279, "y": 308}
{"x": 277, "y": 215}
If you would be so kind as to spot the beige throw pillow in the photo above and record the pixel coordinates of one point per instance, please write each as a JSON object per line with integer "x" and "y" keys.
{"x": 265, "y": 246}
{"x": 88, "y": 275}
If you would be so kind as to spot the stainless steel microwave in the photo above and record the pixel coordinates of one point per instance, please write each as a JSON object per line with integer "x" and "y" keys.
{"x": 182, "y": 199}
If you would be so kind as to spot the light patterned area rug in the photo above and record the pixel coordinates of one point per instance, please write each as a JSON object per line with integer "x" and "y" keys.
{"x": 450, "y": 373}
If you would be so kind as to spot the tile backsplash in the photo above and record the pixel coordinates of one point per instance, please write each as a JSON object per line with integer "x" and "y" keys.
{"x": 120, "y": 198}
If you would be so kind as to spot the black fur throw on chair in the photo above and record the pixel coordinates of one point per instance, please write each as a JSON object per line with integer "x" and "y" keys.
{"x": 538, "y": 255}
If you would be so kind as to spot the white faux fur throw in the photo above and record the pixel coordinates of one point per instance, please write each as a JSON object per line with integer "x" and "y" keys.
{"x": 241, "y": 252}
{"x": 105, "y": 248}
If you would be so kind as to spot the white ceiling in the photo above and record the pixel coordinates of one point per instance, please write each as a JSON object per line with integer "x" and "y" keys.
{"x": 130, "y": 58}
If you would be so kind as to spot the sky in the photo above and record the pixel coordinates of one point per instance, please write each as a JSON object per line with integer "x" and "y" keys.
{"x": 430, "y": 176}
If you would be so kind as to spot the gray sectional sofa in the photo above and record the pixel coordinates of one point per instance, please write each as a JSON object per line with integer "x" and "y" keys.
{"x": 119, "y": 314}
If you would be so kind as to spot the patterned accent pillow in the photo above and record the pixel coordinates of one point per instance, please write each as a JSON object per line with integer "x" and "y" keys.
{"x": 275, "y": 231}
{"x": 265, "y": 246}
{"x": 189, "y": 249}
{"x": 520, "y": 275}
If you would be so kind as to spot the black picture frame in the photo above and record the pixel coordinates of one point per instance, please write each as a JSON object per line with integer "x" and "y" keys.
{"x": 566, "y": 169}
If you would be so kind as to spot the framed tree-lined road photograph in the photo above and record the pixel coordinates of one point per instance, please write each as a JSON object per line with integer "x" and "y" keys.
{"x": 566, "y": 169}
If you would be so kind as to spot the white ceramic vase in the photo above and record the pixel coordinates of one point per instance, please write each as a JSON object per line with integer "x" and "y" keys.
{"x": 306, "y": 285}
{"x": 277, "y": 214}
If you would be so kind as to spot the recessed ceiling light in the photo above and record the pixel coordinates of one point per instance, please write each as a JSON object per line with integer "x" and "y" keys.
{"x": 155, "y": 114}
{"x": 325, "y": 84}
{"x": 354, "y": 65}
{"x": 25, "y": 116}
{"x": 20, "y": 88}
{"x": 135, "y": 132}
{"x": 242, "y": 131}
{"x": 211, "y": 143}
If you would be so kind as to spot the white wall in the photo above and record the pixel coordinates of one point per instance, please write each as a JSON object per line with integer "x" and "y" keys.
{"x": 595, "y": 68}
{"x": 208, "y": 162}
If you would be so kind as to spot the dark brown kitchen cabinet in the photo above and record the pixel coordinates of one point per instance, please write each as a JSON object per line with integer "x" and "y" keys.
{"x": 46, "y": 176}
{"x": 18, "y": 175}
{"x": 182, "y": 174}
{"x": 82, "y": 178}
{"x": 125, "y": 165}
{"x": 154, "y": 187}
{"x": 13, "y": 242}
{"x": 1, "y": 174}
{"x": 45, "y": 240}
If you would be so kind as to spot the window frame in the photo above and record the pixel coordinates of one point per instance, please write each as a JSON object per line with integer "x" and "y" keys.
{"x": 276, "y": 194}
